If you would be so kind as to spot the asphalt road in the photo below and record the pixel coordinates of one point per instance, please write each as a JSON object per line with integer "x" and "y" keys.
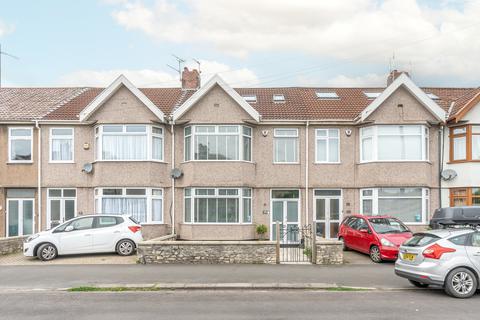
{"x": 211, "y": 305}
{"x": 64, "y": 276}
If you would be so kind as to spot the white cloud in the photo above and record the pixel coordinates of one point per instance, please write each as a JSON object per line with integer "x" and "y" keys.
{"x": 5, "y": 28}
{"x": 368, "y": 80}
{"x": 155, "y": 78}
{"x": 436, "y": 41}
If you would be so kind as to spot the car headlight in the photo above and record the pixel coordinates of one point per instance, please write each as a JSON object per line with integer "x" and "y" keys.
{"x": 386, "y": 243}
{"x": 32, "y": 237}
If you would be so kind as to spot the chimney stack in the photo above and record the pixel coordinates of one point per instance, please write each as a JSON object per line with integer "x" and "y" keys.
{"x": 394, "y": 74}
{"x": 190, "y": 79}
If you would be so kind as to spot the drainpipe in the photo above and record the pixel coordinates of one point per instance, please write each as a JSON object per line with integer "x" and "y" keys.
{"x": 441, "y": 152}
{"x": 39, "y": 175}
{"x": 172, "y": 132}
{"x": 307, "y": 124}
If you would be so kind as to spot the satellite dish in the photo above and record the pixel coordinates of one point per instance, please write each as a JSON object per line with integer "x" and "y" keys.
{"x": 87, "y": 168}
{"x": 448, "y": 174}
{"x": 176, "y": 173}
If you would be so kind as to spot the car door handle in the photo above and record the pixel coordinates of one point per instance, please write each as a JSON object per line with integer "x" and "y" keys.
{"x": 87, "y": 235}
{"x": 117, "y": 231}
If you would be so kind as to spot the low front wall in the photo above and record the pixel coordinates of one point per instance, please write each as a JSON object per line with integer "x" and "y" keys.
{"x": 329, "y": 251}
{"x": 11, "y": 245}
{"x": 207, "y": 252}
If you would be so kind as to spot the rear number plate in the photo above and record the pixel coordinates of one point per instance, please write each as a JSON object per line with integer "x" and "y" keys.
{"x": 408, "y": 256}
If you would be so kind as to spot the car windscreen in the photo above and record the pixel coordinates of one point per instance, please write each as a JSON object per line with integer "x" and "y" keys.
{"x": 421, "y": 239}
{"x": 388, "y": 225}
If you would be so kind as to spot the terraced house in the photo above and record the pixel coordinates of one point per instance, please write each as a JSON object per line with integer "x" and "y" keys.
{"x": 211, "y": 162}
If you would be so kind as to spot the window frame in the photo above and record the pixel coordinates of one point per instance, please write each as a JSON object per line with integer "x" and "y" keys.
{"x": 240, "y": 134}
{"x": 62, "y": 199}
{"x": 98, "y": 196}
{"x": 468, "y": 134}
{"x": 99, "y": 133}
{"x": 50, "y": 139}
{"x": 374, "y": 197}
{"x": 240, "y": 196}
{"x": 327, "y": 138}
{"x": 469, "y": 196}
{"x": 10, "y": 140}
{"x": 424, "y": 136}
{"x": 297, "y": 145}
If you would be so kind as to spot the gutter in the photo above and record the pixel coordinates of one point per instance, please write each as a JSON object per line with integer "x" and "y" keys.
{"x": 39, "y": 175}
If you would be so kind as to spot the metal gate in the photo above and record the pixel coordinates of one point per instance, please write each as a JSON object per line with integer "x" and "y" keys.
{"x": 294, "y": 245}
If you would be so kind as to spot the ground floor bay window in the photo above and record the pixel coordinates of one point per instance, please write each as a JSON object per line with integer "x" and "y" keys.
{"x": 410, "y": 205}
{"x": 144, "y": 204}
{"x": 218, "y": 205}
{"x": 465, "y": 197}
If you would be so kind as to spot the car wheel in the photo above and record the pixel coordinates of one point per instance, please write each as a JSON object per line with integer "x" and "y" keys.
{"x": 418, "y": 284}
{"x": 125, "y": 247}
{"x": 47, "y": 252}
{"x": 375, "y": 254}
{"x": 461, "y": 283}
{"x": 344, "y": 246}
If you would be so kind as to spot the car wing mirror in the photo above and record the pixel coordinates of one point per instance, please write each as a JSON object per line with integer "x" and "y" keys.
{"x": 69, "y": 228}
{"x": 364, "y": 230}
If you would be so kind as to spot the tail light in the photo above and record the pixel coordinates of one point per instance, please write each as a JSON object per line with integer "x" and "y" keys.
{"x": 134, "y": 228}
{"x": 435, "y": 251}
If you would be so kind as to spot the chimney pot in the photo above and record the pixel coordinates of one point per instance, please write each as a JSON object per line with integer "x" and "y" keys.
{"x": 394, "y": 74}
{"x": 190, "y": 79}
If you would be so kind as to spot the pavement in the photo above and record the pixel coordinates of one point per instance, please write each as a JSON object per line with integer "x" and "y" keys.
{"x": 220, "y": 305}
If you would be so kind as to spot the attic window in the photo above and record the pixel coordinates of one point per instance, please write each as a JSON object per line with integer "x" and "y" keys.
{"x": 433, "y": 96}
{"x": 372, "y": 95}
{"x": 250, "y": 98}
{"x": 328, "y": 95}
{"x": 278, "y": 98}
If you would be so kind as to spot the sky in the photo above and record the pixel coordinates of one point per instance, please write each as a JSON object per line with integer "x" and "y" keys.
{"x": 250, "y": 43}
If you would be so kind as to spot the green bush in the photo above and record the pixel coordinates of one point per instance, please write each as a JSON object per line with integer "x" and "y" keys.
{"x": 261, "y": 230}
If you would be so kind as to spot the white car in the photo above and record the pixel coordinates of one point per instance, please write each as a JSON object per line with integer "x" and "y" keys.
{"x": 86, "y": 234}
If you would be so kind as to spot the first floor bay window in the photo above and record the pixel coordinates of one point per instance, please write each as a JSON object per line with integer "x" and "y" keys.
{"x": 144, "y": 204}
{"x": 394, "y": 143}
{"x": 133, "y": 142}
{"x": 222, "y": 205}
{"x": 218, "y": 142}
{"x": 409, "y": 205}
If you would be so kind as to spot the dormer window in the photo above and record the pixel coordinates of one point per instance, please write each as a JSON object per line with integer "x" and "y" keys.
{"x": 278, "y": 98}
{"x": 327, "y": 95}
{"x": 372, "y": 95}
{"x": 251, "y": 98}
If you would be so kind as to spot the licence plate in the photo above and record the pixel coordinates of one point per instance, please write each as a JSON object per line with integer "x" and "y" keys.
{"x": 408, "y": 256}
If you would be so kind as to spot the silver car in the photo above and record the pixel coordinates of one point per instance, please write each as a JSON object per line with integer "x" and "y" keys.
{"x": 449, "y": 258}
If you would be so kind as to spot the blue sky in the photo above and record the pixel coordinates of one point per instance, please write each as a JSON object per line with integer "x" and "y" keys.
{"x": 249, "y": 42}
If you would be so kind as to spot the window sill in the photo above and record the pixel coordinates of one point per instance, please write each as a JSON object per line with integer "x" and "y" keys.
{"x": 395, "y": 161}
{"x": 327, "y": 163}
{"x": 19, "y": 162}
{"x": 463, "y": 161}
{"x": 215, "y": 161}
{"x": 104, "y": 161}
{"x": 287, "y": 163}
{"x": 61, "y": 162}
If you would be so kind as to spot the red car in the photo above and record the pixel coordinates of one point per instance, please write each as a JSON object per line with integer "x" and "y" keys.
{"x": 379, "y": 236}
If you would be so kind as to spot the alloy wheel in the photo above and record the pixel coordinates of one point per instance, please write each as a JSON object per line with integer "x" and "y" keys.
{"x": 48, "y": 253}
{"x": 375, "y": 254}
{"x": 125, "y": 248}
{"x": 462, "y": 283}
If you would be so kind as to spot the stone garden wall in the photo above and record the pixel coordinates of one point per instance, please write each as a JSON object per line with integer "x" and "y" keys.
{"x": 206, "y": 252}
{"x": 11, "y": 245}
{"x": 329, "y": 251}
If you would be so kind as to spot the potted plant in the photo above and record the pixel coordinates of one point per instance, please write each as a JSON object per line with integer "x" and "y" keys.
{"x": 261, "y": 231}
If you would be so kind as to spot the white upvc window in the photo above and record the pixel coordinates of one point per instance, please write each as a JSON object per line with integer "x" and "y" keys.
{"x": 20, "y": 146}
{"x": 285, "y": 145}
{"x": 394, "y": 143}
{"x": 218, "y": 205}
{"x": 143, "y": 204}
{"x": 62, "y": 145}
{"x": 327, "y": 147}
{"x": 218, "y": 143}
{"x": 130, "y": 142}
{"x": 408, "y": 204}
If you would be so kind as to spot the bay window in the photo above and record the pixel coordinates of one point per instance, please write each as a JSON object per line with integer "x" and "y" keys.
{"x": 20, "y": 144}
{"x": 409, "y": 205}
{"x": 131, "y": 142}
{"x": 218, "y": 142}
{"x": 465, "y": 143}
{"x": 144, "y": 204}
{"x": 285, "y": 145}
{"x": 465, "y": 197}
{"x": 218, "y": 205}
{"x": 394, "y": 143}
{"x": 61, "y": 144}
{"x": 327, "y": 148}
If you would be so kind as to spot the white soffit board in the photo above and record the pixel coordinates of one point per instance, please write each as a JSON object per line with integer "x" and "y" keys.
{"x": 110, "y": 91}
{"x": 419, "y": 94}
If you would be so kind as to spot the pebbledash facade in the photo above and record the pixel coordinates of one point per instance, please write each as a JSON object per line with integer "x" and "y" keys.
{"x": 213, "y": 162}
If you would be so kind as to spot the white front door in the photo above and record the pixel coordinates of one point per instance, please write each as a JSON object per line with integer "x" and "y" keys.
{"x": 19, "y": 217}
{"x": 285, "y": 207}
{"x": 61, "y": 206}
{"x": 80, "y": 239}
{"x": 328, "y": 212}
